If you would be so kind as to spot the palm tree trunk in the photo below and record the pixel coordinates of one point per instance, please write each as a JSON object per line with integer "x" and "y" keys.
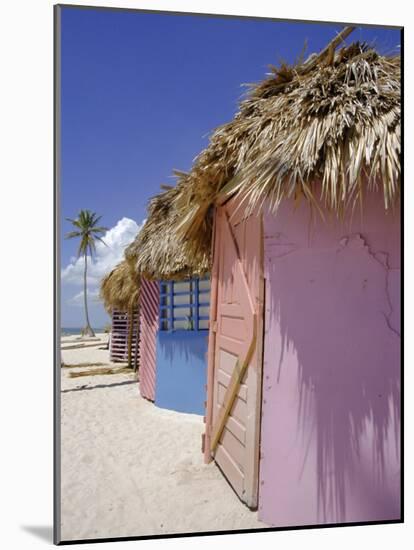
{"x": 88, "y": 328}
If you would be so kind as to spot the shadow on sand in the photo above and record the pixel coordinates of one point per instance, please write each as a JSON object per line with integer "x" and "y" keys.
{"x": 85, "y": 387}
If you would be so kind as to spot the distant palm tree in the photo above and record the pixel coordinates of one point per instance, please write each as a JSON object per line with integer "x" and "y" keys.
{"x": 88, "y": 231}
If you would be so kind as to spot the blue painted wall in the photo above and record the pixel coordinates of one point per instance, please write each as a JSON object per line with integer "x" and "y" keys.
{"x": 181, "y": 370}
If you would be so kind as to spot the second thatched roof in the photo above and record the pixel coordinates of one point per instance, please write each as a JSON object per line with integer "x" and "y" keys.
{"x": 120, "y": 288}
{"x": 157, "y": 253}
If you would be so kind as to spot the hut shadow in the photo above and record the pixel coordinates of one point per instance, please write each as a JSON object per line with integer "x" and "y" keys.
{"x": 181, "y": 345}
{"x": 337, "y": 318}
{"x": 85, "y": 387}
{"x": 181, "y": 371}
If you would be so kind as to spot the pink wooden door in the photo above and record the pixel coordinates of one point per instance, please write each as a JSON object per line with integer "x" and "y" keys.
{"x": 149, "y": 315}
{"x": 235, "y": 345}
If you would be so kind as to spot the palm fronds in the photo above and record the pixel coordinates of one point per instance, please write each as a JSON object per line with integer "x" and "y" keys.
{"x": 101, "y": 372}
{"x": 87, "y": 230}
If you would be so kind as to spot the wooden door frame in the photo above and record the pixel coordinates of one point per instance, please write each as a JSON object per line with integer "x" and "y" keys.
{"x": 208, "y": 419}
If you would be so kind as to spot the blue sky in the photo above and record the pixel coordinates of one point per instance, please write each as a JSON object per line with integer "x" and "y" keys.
{"x": 141, "y": 92}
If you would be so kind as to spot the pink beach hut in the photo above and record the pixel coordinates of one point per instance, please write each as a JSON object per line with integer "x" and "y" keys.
{"x": 149, "y": 323}
{"x": 120, "y": 293}
{"x": 173, "y": 311}
{"x": 298, "y": 197}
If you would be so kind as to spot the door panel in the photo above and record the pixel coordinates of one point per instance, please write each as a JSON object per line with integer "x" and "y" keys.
{"x": 237, "y": 346}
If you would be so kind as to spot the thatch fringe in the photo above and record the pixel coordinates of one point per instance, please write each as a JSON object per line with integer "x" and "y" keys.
{"x": 120, "y": 288}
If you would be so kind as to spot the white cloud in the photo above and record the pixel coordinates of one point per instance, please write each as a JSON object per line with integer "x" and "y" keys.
{"x": 77, "y": 299}
{"x": 105, "y": 259}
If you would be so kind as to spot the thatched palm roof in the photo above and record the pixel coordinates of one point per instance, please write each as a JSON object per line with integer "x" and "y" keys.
{"x": 120, "y": 288}
{"x": 327, "y": 129}
{"x": 156, "y": 252}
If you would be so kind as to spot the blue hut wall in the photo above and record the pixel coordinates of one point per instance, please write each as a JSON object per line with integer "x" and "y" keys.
{"x": 181, "y": 346}
{"x": 181, "y": 371}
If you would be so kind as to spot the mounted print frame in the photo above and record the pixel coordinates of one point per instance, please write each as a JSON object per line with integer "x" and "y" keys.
{"x": 228, "y": 259}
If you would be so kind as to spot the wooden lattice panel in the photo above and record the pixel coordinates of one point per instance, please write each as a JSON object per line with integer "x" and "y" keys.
{"x": 119, "y": 337}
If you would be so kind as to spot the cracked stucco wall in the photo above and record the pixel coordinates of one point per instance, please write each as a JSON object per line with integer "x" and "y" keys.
{"x": 331, "y": 379}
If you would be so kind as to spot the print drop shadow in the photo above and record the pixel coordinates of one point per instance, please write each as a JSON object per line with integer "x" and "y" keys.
{"x": 183, "y": 345}
{"x": 349, "y": 366}
{"x": 43, "y": 532}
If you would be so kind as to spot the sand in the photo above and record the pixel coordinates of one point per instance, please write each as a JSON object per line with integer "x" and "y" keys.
{"x": 129, "y": 468}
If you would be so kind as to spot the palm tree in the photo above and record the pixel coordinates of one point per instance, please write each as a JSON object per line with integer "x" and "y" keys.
{"x": 88, "y": 231}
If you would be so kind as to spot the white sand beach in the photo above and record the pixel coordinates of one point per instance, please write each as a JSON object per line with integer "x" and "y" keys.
{"x": 129, "y": 468}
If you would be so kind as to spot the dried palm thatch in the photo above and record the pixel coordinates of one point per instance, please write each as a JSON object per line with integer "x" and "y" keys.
{"x": 77, "y": 365}
{"x": 100, "y": 372}
{"x": 327, "y": 129}
{"x": 156, "y": 252}
{"x": 120, "y": 288}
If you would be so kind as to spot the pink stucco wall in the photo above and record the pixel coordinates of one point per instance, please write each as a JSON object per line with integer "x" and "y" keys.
{"x": 331, "y": 379}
